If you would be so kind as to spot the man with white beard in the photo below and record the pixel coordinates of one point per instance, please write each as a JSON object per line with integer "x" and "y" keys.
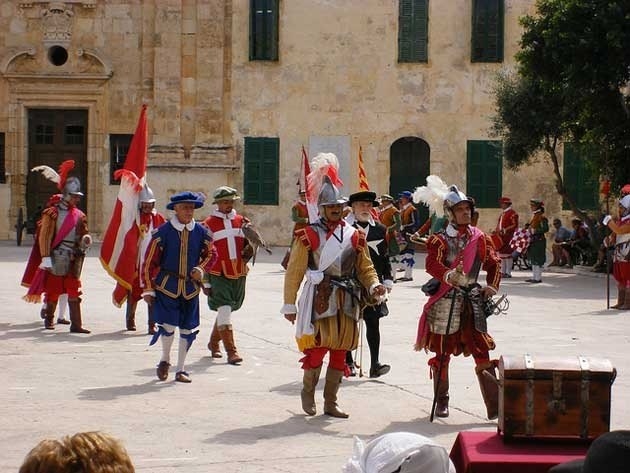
{"x": 362, "y": 218}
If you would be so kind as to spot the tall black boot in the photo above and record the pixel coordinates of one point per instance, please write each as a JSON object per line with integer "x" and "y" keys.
{"x": 373, "y": 336}
{"x": 76, "y": 321}
{"x": 440, "y": 391}
{"x": 131, "y": 314}
{"x": 49, "y": 315}
{"x": 151, "y": 320}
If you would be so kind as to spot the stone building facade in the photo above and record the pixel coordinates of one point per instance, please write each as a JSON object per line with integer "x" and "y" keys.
{"x": 337, "y": 83}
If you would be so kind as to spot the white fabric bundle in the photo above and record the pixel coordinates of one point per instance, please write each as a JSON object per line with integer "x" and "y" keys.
{"x": 412, "y": 453}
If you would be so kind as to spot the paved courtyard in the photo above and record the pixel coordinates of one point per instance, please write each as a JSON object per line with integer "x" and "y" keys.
{"x": 248, "y": 418}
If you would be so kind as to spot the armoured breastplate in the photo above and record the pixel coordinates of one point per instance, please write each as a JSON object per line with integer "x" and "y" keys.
{"x": 70, "y": 239}
{"x": 343, "y": 266}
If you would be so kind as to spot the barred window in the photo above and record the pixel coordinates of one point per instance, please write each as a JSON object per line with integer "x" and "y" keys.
{"x": 118, "y": 148}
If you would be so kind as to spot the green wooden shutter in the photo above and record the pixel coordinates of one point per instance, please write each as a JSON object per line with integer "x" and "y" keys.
{"x": 263, "y": 33}
{"x": 484, "y": 168}
{"x": 413, "y": 18}
{"x": 261, "y": 171}
{"x": 487, "y": 31}
{"x": 581, "y": 182}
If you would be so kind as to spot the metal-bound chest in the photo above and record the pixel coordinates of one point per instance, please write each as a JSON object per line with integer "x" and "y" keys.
{"x": 555, "y": 397}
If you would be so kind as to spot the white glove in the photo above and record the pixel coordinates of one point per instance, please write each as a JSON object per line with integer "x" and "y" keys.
{"x": 46, "y": 263}
{"x": 607, "y": 219}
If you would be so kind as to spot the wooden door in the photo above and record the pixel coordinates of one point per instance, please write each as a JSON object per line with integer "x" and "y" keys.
{"x": 409, "y": 160}
{"x": 53, "y": 137}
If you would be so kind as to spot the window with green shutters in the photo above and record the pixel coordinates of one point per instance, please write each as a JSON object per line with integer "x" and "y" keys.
{"x": 413, "y": 30}
{"x": 487, "y": 31}
{"x": 580, "y": 180}
{"x": 484, "y": 172}
{"x": 263, "y": 30}
{"x": 261, "y": 178}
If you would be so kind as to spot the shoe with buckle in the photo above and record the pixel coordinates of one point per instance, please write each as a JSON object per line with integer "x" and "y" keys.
{"x": 162, "y": 370}
{"x": 379, "y": 370}
{"x": 182, "y": 377}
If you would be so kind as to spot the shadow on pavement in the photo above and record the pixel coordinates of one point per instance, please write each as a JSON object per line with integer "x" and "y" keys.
{"x": 112, "y": 392}
{"x": 297, "y": 424}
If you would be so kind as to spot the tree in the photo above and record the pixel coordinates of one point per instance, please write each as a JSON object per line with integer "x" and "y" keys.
{"x": 571, "y": 84}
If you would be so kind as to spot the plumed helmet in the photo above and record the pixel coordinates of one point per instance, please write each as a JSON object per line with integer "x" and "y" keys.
{"x": 453, "y": 197}
{"x": 146, "y": 195}
{"x": 329, "y": 194}
{"x": 625, "y": 202}
{"x": 72, "y": 187}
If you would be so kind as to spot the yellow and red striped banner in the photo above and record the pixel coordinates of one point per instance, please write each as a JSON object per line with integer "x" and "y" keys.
{"x": 363, "y": 182}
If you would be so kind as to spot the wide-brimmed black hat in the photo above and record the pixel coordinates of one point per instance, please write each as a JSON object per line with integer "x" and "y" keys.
{"x": 363, "y": 196}
{"x": 609, "y": 453}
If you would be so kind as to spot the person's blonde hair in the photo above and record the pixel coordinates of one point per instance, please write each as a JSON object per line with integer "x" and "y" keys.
{"x": 84, "y": 452}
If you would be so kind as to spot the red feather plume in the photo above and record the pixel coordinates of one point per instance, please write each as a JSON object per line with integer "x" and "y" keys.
{"x": 64, "y": 169}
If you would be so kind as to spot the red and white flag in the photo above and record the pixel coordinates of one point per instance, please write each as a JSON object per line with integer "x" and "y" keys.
{"x": 119, "y": 252}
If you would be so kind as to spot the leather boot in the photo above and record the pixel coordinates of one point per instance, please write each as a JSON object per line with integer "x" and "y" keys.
{"x": 626, "y": 304}
{"x": 227, "y": 337}
{"x": 213, "y": 343}
{"x": 441, "y": 392}
{"x": 131, "y": 315}
{"x": 76, "y": 322}
{"x": 621, "y": 298}
{"x": 151, "y": 328}
{"x": 489, "y": 388}
{"x": 49, "y": 315}
{"x": 309, "y": 383}
{"x": 333, "y": 380}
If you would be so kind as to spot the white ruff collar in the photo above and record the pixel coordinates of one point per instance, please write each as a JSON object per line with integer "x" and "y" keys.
{"x": 179, "y": 226}
{"x": 229, "y": 216}
{"x": 509, "y": 208}
{"x": 388, "y": 206}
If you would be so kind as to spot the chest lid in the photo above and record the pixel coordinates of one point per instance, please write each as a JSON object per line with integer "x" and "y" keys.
{"x": 571, "y": 367}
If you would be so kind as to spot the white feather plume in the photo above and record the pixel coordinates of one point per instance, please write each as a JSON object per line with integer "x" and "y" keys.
{"x": 432, "y": 195}
{"x": 48, "y": 172}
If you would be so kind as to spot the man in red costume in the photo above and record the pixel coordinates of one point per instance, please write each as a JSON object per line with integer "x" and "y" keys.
{"x": 299, "y": 216}
{"x": 502, "y": 235}
{"x": 62, "y": 241}
{"x": 148, "y": 222}
{"x": 453, "y": 321}
{"x": 227, "y": 276}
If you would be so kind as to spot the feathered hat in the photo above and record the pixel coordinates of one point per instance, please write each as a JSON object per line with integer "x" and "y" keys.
{"x": 67, "y": 185}
{"x": 323, "y": 182}
{"x": 432, "y": 195}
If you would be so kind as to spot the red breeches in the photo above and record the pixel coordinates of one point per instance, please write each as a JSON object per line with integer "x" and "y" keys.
{"x": 314, "y": 357}
{"x": 57, "y": 285}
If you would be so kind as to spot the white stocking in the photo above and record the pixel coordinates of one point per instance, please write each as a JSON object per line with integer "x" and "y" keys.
{"x": 167, "y": 342}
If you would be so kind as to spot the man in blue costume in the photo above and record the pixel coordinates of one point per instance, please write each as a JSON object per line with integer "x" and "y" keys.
{"x": 179, "y": 253}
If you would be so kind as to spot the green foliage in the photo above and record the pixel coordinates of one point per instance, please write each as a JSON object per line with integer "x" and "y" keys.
{"x": 574, "y": 61}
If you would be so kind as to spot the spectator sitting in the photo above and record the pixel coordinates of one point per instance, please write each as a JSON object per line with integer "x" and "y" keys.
{"x": 84, "y": 452}
{"x": 401, "y": 452}
{"x": 609, "y": 453}
{"x": 578, "y": 243}
{"x": 562, "y": 236}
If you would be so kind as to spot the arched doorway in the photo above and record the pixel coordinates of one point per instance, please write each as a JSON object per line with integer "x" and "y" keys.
{"x": 409, "y": 164}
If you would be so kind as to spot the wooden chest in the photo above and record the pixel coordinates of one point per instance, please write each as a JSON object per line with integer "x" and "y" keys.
{"x": 554, "y": 397}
